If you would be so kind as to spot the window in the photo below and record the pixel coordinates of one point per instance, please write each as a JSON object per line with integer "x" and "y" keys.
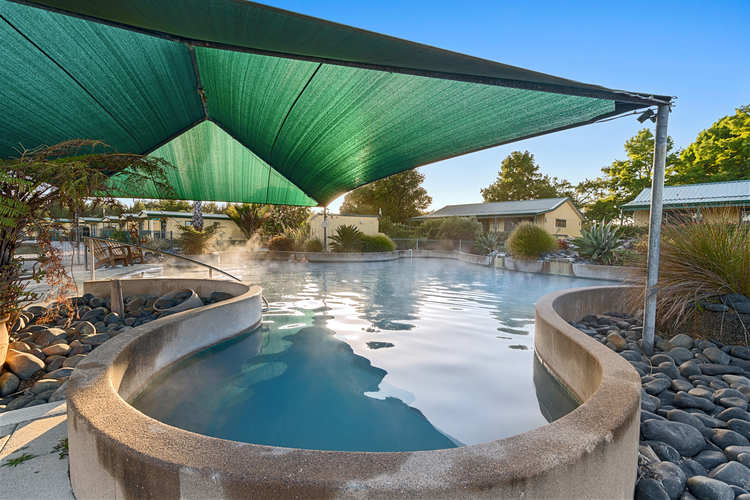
{"x": 560, "y": 223}
{"x": 188, "y": 223}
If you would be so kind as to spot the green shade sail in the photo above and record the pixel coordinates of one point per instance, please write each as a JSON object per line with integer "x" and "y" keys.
{"x": 255, "y": 104}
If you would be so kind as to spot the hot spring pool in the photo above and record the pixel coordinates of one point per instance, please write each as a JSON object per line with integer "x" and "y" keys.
{"x": 383, "y": 356}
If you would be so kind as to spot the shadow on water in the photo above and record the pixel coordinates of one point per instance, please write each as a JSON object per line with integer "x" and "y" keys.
{"x": 554, "y": 401}
{"x": 226, "y": 392}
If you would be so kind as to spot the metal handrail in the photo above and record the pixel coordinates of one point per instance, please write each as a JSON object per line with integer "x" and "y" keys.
{"x": 151, "y": 250}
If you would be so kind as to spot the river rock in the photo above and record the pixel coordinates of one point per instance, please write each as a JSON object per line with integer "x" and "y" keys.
{"x": 700, "y": 392}
{"x": 687, "y": 440}
{"x": 96, "y": 340}
{"x": 690, "y": 368}
{"x": 80, "y": 349}
{"x": 736, "y": 379}
{"x": 19, "y": 346}
{"x": 733, "y": 451}
{"x": 97, "y": 302}
{"x": 732, "y": 473}
{"x": 9, "y": 382}
{"x": 724, "y": 438}
{"x": 72, "y": 361}
{"x": 710, "y": 458}
{"x": 59, "y": 394}
{"x": 657, "y": 385}
{"x": 20, "y": 402}
{"x": 650, "y": 489}
{"x": 682, "y": 340}
{"x": 739, "y": 426}
{"x": 670, "y": 370}
{"x": 705, "y": 488}
{"x": 685, "y": 400}
{"x": 45, "y": 385}
{"x": 686, "y": 418}
{"x": 664, "y": 451}
{"x": 44, "y": 396}
{"x": 114, "y": 318}
{"x": 24, "y": 365}
{"x": 85, "y": 328}
{"x": 731, "y": 413}
{"x": 691, "y": 468}
{"x": 672, "y": 478}
{"x": 733, "y": 402}
{"x": 57, "y": 350}
{"x": 716, "y": 356}
{"x": 60, "y": 373}
{"x": 714, "y": 369}
{"x": 50, "y": 335}
{"x": 38, "y": 353}
{"x": 681, "y": 355}
{"x": 56, "y": 364}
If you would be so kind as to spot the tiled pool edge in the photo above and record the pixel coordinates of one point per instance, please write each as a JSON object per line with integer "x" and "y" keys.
{"x": 117, "y": 452}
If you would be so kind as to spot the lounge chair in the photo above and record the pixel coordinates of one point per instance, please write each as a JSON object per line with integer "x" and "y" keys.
{"x": 106, "y": 256}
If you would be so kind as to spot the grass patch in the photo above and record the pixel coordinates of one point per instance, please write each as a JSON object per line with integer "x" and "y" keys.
{"x": 699, "y": 262}
{"x": 529, "y": 240}
{"x": 13, "y": 462}
{"x": 61, "y": 448}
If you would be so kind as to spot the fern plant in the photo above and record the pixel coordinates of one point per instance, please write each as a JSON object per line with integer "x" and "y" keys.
{"x": 598, "y": 243}
{"x": 347, "y": 239}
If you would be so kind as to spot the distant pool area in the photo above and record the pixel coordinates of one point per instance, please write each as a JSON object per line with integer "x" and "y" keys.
{"x": 380, "y": 356}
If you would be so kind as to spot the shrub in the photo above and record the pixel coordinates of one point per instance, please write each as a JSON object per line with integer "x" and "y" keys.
{"x": 698, "y": 261}
{"x": 460, "y": 228}
{"x": 563, "y": 244}
{"x": 486, "y": 243}
{"x": 529, "y": 240}
{"x": 347, "y": 239}
{"x": 378, "y": 243}
{"x": 120, "y": 235}
{"x": 281, "y": 244}
{"x": 314, "y": 245}
{"x": 429, "y": 229}
{"x": 197, "y": 242}
{"x": 598, "y": 243}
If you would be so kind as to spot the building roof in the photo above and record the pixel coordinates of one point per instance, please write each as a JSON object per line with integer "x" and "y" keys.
{"x": 691, "y": 195}
{"x": 179, "y": 215}
{"x": 251, "y": 103}
{"x": 500, "y": 209}
{"x": 341, "y": 215}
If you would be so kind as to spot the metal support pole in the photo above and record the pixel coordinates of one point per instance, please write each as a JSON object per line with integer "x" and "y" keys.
{"x": 654, "y": 231}
{"x": 93, "y": 260}
{"x": 325, "y": 229}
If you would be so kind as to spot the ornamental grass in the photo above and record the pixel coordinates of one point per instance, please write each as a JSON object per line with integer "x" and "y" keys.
{"x": 529, "y": 240}
{"x": 699, "y": 262}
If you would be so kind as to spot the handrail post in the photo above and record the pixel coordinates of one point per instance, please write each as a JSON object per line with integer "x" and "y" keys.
{"x": 93, "y": 265}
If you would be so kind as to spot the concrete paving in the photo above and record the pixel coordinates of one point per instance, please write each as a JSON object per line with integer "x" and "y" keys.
{"x": 34, "y": 432}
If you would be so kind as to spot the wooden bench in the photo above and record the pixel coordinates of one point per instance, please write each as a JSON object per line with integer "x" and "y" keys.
{"x": 108, "y": 254}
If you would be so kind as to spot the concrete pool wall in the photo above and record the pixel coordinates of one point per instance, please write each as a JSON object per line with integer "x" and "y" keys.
{"x": 118, "y": 452}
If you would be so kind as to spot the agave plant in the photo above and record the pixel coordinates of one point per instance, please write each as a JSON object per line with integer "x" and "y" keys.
{"x": 347, "y": 239}
{"x": 486, "y": 243}
{"x": 598, "y": 243}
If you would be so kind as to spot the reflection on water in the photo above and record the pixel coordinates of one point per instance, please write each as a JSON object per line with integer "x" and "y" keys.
{"x": 387, "y": 356}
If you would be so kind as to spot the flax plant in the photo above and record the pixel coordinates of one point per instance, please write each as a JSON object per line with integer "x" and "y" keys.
{"x": 699, "y": 261}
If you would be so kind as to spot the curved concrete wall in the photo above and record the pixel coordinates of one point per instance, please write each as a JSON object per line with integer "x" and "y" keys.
{"x": 355, "y": 257}
{"x": 117, "y": 452}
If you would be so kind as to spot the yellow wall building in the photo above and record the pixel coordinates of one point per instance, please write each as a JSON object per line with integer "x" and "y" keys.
{"x": 157, "y": 221}
{"x": 709, "y": 202}
{"x": 368, "y": 224}
{"x": 559, "y": 216}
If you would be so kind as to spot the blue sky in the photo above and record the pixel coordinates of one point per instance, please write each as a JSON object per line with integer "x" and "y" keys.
{"x": 698, "y": 51}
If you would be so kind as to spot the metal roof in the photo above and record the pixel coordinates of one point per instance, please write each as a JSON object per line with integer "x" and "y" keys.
{"x": 713, "y": 193}
{"x": 499, "y": 209}
{"x": 180, "y": 215}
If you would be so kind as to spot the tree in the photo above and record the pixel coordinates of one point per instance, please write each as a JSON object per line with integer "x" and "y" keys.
{"x": 249, "y": 217}
{"x": 721, "y": 153}
{"x": 460, "y": 228}
{"x": 138, "y": 207}
{"x": 398, "y": 196}
{"x": 169, "y": 205}
{"x": 66, "y": 175}
{"x": 519, "y": 179}
{"x": 281, "y": 218}
{"x": 625, "y": 179}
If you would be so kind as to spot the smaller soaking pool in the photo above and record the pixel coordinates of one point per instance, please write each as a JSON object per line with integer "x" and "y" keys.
{"x": 383, "y": 356}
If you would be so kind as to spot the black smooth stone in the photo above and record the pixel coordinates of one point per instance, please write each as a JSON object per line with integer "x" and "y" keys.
{"x": 705, "y": 488}
{"x": 724, "y": 438}
{"x": 732, "y": 473}
{"x": 692, "y": 468}
{"x": 650, "y": 489}
{"x": 710, "y": 459}
{"x": 672, "y": 478}
{"x": 687, "y": 440}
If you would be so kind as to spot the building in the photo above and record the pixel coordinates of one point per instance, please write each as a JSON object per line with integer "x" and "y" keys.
{"x": 167, "y": 222}
{"x": 559, "y": 216}
{"x": 368, "y": 224}
{"x": 696, "y": 202}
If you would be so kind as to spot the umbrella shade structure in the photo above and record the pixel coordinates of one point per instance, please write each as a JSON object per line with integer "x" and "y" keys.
{"x": 255, "y": 104}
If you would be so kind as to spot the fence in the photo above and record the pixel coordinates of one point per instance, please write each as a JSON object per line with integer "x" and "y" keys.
{"x": 428, "y": 244}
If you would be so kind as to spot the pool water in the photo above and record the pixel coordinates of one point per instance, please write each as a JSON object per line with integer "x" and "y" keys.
{"x": 385, "y": 356}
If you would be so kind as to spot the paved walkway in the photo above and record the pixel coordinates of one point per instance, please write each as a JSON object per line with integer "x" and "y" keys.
{"x": 36, "y": 432}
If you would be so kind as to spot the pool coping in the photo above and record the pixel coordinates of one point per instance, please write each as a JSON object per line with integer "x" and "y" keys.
{"x": 117, "y": 452}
